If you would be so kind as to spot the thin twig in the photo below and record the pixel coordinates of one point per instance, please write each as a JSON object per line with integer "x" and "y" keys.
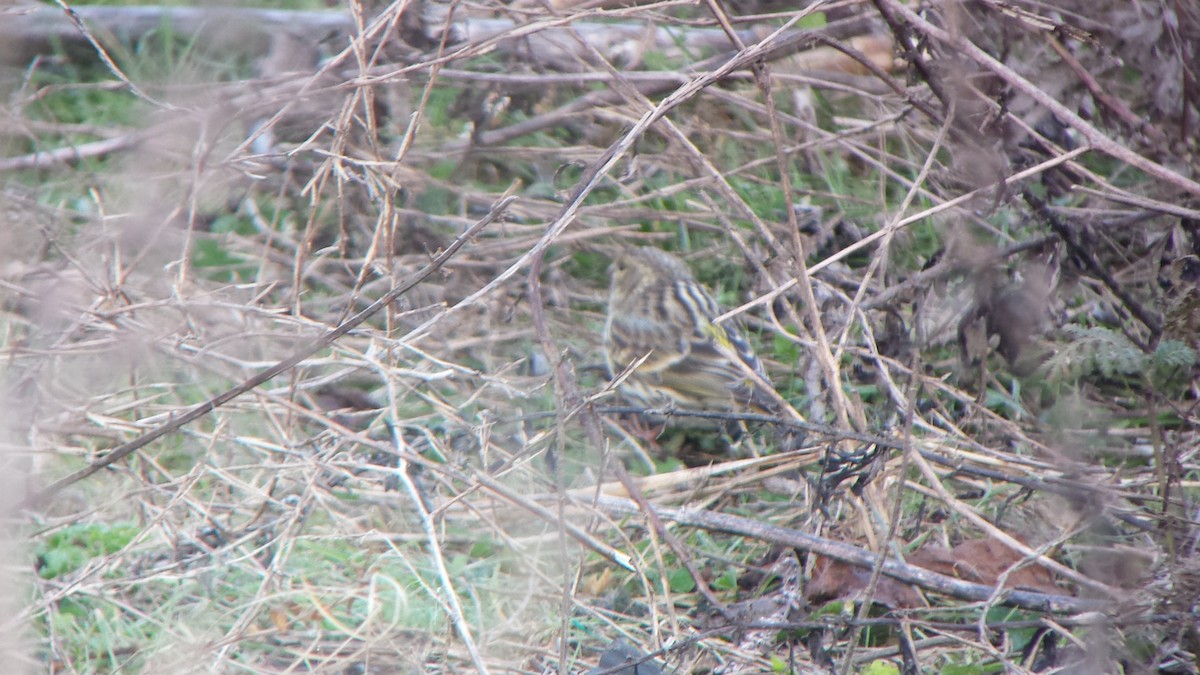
{"x": 72, "y": 153}
{"x": 433, "y": 545}
{"x": 279, "y": 368}
{"x": 1072, "y": 239}
{"x": 1094, "y": 136}
{"x": 108, "y": 60}
{"x": 999, "y": 534}
{"x": 846, "y": 251}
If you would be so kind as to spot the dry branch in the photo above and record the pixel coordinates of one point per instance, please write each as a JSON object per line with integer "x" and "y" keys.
{"x": 27, "y": 30}
{"x": 71, "y": 154}
{"x": 938, "y": 583}
{"x": 562, "y": 42}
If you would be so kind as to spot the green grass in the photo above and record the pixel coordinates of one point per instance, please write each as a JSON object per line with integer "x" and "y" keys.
{"x": 69, "y": 549}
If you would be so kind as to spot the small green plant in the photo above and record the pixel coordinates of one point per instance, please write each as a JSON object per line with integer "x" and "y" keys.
{"x": 68, "y": 550}
{"x": 1092, "y": 351}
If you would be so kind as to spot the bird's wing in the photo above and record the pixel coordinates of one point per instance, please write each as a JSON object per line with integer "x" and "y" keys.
{"x": 631, "y": 338}
{"x": 718, "y": 357}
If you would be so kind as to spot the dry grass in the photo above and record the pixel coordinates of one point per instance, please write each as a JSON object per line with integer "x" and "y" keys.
{"x": 990, "y": 329}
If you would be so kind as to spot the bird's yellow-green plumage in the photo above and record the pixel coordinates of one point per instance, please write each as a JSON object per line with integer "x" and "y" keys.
{"x": 657, "y": 310}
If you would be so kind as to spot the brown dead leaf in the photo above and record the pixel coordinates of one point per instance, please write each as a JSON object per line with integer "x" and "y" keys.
{"x": 983, "y": 561}
{"x": 980, "y": 561}
{"x": 836, "y": 580}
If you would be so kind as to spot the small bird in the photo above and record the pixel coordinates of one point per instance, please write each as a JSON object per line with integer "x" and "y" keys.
{"x": 658, "y": 312}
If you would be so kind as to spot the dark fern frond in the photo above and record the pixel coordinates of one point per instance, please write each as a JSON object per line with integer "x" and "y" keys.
{"x": 1111, "y": 355}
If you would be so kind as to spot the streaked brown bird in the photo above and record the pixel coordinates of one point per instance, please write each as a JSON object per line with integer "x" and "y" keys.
{"x": 657, "y": 310}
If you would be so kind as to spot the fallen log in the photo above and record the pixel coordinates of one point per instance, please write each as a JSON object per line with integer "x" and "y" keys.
{"x": 558, "y": 42}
